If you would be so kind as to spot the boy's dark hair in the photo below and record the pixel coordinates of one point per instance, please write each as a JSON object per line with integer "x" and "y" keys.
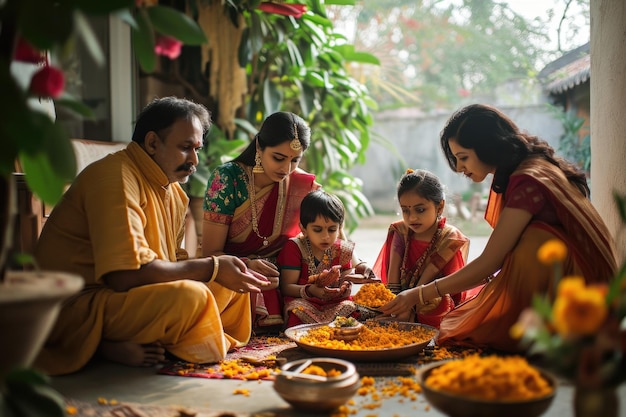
{"x": 424, "y": 183}
{"x": 320, "y": 203}
{"x": 161, "y": 113}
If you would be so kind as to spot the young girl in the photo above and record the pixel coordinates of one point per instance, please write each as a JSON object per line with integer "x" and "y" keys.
{"x": 309, "y": 297}
{"x": 421, "y": 247}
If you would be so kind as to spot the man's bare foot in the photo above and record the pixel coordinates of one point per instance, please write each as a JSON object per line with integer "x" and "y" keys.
{"x": 132, "y": 354}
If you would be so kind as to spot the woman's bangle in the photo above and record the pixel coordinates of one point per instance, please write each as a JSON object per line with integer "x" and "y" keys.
{"x": 437, "y": 288}
{"x": 216, "y": 268}
{"x": 303, "y": 294}
{"x": 420, "y": 294}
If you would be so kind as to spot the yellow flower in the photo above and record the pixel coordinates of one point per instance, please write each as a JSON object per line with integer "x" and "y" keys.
{"x": 578, "y": 310}
{"x": 571, "y": 285}
{"x": 553, "y": 250}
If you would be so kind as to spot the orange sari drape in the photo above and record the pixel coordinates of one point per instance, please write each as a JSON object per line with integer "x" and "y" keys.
{"x": 486, "y": 319}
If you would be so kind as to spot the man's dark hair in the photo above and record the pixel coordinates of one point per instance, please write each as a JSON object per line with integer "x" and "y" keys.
{"x": 161, "y": 113}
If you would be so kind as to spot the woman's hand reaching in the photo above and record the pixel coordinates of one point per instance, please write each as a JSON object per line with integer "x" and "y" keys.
{"x": 401, "y": 304}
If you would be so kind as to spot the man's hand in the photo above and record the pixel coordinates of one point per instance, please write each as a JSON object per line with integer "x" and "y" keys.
{"x": 267, "y": 269}
{"x": 234, "y": 275}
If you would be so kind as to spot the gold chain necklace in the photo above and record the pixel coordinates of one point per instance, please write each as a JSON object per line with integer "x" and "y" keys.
{"x": 255, "y": 221}
{"x": 413, "y": 278}
{"x": 324, "y": 263}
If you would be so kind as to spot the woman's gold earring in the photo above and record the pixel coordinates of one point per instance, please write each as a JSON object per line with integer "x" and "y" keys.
{"x": 258, "y": 168}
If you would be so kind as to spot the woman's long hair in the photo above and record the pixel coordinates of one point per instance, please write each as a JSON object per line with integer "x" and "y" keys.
{"x": 498, "y": 142}
{"x": 277, "y": 128}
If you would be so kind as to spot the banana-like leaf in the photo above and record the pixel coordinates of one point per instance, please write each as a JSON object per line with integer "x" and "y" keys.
{"x": 178, "y": 25}
{"x": 143, "y": 42}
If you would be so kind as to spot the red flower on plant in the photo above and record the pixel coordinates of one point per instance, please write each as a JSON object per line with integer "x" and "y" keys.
{"x": 295, "y": 10}
{"x": 25, "y": 52}
{"x": 47, "y": 82}
{"x": 168, "y": 46}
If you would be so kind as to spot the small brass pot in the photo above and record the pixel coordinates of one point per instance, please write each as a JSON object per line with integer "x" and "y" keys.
{"x": 314, "y": 393}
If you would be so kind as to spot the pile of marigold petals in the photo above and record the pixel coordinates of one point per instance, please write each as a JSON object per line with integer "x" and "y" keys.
{"x": 234, "y": 369}
{"x": 374, "y": 336}
{"x": 373, "y": 295}
{"x": 490, "y": 378}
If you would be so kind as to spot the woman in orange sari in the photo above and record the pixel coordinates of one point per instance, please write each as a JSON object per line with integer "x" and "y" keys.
{"x": 252, "y": 205}
{"x": 535, "y": 196}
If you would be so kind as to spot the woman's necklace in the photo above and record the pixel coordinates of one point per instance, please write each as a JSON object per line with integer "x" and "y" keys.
{"x": 255, "y": 220}
{"x": 417, "y": 270}
{"x": 324, "y": 263}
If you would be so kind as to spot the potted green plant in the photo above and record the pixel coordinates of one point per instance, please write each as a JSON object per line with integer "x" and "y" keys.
{"x": 34, "y": 32}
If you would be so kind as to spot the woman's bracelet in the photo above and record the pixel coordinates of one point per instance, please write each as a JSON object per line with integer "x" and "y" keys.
{"x": 420, "y": 294}
{"x": 216, "y": 268}
{"x": 303, "y": 294}
{"x": 437, "y": 288}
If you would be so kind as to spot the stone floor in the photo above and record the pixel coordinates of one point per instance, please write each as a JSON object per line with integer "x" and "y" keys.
{"x": 140, "y": 385}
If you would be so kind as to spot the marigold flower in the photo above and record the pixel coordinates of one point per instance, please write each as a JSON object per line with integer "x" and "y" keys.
{"x": 578, "y": 310}
{"x": 570, "y": 285}
{"x": 168, "y": 46}
{"x": 25, "y": 52}
{"x": 553, "y": 250}
{"x": 285, "y": 9}
{"x": 47, "y": 82}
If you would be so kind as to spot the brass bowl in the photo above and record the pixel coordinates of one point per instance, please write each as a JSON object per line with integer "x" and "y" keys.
{"x": 313, "y": 393}
{"x": 347, "y": 333}
{"x": 460, "y": 406}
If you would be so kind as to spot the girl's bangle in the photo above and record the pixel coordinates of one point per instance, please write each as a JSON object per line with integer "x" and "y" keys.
{"x": 216, "y": 268}
{"x": 394, "y": 288}
{"x": 303, "y": 294}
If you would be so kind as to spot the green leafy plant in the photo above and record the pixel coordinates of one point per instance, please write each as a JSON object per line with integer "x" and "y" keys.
{"x": 303, "y": 67}
{"x": 26, "y": 392}
{"x": 39, "y": 32}
{"x": 571, "y": 146}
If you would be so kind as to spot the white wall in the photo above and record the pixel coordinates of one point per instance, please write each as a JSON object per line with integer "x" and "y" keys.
{"x": 416, "y": 137}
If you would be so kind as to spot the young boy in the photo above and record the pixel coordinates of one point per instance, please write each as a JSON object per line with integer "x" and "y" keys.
{"x": 313, "y": 266}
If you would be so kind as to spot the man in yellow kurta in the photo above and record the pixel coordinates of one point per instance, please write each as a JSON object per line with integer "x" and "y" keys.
{"x": 120, "y": 226}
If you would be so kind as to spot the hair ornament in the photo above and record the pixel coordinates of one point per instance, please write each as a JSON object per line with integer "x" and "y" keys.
{"x": 295, "y": 143}
{"x": 409, "y": 171}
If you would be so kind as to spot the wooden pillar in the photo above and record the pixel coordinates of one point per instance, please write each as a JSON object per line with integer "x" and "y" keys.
{"x": 608, "y": 112}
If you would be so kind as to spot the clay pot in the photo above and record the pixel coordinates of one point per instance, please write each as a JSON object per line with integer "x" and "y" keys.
{"x": 30, "y": 302}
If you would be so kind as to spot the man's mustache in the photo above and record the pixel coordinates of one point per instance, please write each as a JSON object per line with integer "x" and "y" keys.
{"x": 187, "y": 168}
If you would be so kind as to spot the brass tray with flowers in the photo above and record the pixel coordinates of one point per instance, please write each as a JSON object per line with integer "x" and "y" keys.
{"x": 378, "y": 341}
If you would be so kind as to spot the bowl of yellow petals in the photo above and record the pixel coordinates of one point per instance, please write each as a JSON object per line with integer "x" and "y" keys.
{"x": 489, "y": 386}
